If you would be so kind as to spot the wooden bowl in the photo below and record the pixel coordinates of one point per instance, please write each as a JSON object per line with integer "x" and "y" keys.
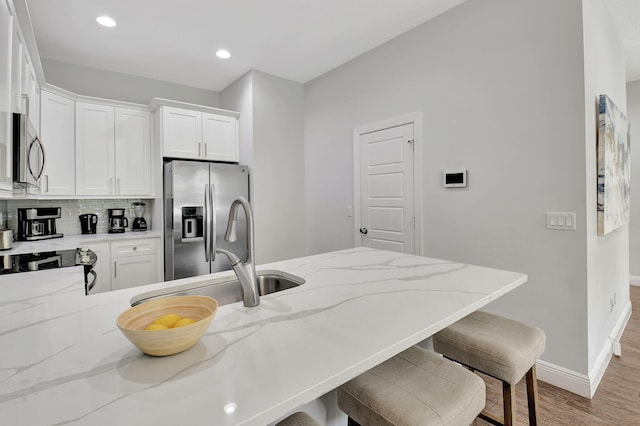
{"x": 133, "y": 322}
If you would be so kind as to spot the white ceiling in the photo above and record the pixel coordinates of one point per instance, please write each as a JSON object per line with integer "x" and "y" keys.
{"x": 626, "y": 17}
{"x": 176, "y": 40}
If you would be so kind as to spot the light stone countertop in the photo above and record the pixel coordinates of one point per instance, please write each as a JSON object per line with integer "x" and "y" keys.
{"x": 63, "y": 360}
{"x": 75, "y": 241}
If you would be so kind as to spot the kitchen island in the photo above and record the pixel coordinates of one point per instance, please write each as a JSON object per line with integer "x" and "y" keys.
{"x": 63, "y": 360}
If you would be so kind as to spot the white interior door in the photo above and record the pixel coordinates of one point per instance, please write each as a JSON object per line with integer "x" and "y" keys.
{"x": 386, "y": 189}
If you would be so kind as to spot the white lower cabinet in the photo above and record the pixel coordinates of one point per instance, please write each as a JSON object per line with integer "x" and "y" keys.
{"x": 127, "y": 263}
{"x": 134, "y": 263}
{"x": 102, "y": 267}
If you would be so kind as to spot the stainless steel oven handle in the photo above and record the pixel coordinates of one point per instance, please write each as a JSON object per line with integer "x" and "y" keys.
{"x": 93, "y": 282}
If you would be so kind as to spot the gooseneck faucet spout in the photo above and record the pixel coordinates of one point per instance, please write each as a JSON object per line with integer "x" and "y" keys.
{"x": 245, "y": 271}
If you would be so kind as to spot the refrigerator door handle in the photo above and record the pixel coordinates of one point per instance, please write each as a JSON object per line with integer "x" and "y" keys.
{"x": 212, "y": 202}
{"x": 207, "y": 223}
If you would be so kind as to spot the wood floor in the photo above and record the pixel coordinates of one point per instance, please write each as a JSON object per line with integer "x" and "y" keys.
{"x": 616, "y": 402}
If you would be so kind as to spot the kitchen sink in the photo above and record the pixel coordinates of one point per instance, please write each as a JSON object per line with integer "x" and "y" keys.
{"x": 227, "y": 290}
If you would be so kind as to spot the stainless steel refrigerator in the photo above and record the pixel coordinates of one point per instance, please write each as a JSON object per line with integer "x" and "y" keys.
{"x": 197, "y": 198}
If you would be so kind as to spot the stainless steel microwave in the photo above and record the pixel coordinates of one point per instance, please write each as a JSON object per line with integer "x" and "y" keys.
{"x": 28, "y": 152}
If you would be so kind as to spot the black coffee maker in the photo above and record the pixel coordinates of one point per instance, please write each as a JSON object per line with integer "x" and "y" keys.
{"x": 38, "y": 223}
{"x": 117, "y": 221}
{"x": 88, "y": 223}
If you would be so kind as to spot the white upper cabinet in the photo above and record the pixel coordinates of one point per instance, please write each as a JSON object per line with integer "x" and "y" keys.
{"x": 220, "y": 137}
{"x": 30, "y": 91}
{"x": 57, "y": 132}
{"x": 95, "y": 135}
{"x": 181, "y": 132}
{"x": 199, "y": 135}
{"x": 113, "y": 150}
{"x": 16, "y": 71}
{"x": 6, "y": 32}
{"x": 133, "y": 152}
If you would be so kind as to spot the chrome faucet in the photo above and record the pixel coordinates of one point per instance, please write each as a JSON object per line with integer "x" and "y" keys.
{"x": 245, "y": 271}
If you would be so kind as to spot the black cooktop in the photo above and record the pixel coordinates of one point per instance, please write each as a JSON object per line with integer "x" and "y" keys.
{"x": 28, "y": 262}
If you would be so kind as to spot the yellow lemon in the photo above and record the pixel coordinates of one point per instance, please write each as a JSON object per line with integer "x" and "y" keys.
{"x": 183, "y": 322}
{"x": 157, "y": 327}
{"x": 169, "y": 320}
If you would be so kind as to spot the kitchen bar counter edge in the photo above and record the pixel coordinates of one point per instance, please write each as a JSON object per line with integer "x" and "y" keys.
{"x": 63, "y": 360}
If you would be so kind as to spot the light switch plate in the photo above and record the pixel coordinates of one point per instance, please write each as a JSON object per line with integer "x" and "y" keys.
{"x": 563, "y": 221}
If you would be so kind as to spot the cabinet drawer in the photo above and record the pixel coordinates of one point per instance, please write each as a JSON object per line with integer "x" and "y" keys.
{"x": 134, "y": 247}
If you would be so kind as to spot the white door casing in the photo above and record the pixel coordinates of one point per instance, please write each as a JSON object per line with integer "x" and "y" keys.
{"x": 387, "y": 213}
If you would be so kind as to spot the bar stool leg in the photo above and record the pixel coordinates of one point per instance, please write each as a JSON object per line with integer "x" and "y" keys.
{"x": 532, "y": 395}
{"x": 352, "y": 422}
{"x": 509, "y": 401}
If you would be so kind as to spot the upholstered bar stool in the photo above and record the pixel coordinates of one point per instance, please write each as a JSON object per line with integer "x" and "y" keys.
{"x": 298, "y": 419}
{"x": 501, "y": 348}
{"x": 416, "y": 387}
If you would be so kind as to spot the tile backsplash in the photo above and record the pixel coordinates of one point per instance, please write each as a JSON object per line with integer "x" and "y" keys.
{"x": 69, "y": 224}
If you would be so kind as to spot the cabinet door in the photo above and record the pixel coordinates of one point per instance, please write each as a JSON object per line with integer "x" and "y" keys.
{"x": 57, "y": 131}
{"x": 181, "y": 133}
{"x": 6, "y": 31}
{"x": 133, "y": 152}
{"x": 33, "y": 92}
{"x": 220, "y": 137}
{"x": 94, "y": 149}
{"x": 16, "y": 71}
{"x": 102, "y": 267}
{"x": 133, "y": 271}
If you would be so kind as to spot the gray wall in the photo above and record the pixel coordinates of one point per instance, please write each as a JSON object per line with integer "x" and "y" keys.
{"x": 607, "y": 256}
{"x": 238, "y": 96}
{"x": 123, "y": 87}
{"x": 272, "y": 144}
{"x": 278, "y": 167}
{"x": 633, "y": 114}
{"x": 501, "y": 90}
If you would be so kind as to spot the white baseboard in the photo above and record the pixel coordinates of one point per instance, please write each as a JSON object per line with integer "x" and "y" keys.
{"x": 634, "y": 279}
{"x": 564, "y": 378}
{"x": 579, "y": 383}
{"x": 602, "y": 362}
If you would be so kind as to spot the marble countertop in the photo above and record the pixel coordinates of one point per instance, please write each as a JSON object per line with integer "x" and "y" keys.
{"x": 75, "y": 241}
{"x": 63, "y": 360}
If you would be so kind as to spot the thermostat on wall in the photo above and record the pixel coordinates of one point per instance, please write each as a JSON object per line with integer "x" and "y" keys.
{"x": 454, "y": 178}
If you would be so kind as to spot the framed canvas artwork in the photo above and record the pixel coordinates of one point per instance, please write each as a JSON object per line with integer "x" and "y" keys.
{"x": 614, "y": 168}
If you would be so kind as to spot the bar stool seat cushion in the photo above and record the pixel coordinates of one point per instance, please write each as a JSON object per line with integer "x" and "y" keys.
{"x": 298, "y": 419}
{"x": 498, "y": 346}
{"x": 416, "y": 387}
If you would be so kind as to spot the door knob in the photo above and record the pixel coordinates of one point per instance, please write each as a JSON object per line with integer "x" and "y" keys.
{"x": 364, "y": 231}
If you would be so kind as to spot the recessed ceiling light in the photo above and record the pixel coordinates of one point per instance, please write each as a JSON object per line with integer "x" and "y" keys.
{"x": 224, "y": 54}
{"x": 106, "y": 21}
